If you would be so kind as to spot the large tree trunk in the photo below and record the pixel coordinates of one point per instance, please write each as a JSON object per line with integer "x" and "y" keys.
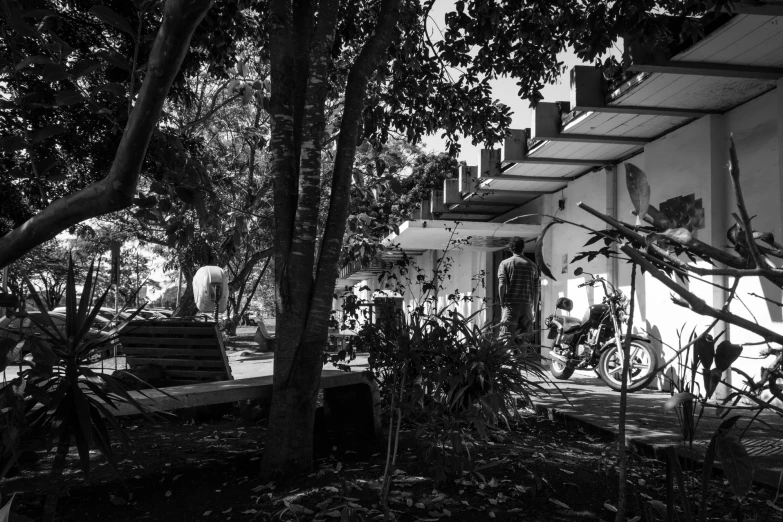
{"x": 304, "y": 280}
{"x": 116, "y": 191}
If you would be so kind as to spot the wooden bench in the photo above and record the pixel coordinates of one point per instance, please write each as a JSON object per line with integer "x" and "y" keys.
{"x": 188, "y": 352}
{"x": 351, "y": 399}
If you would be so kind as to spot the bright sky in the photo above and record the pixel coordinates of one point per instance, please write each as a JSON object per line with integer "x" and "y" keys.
{"x": 504, "y": 89}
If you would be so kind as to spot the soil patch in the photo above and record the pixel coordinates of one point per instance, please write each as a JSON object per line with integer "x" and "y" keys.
{"x": 538, "y": 470}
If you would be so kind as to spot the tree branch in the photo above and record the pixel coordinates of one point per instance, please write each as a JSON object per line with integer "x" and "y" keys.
{"x": 734, "y": 174}
{"x": 250, "y": 265}
{"x": 695, "y": 245}
{"x": 115, "y": 192}
{"x": 355, "y": 92}
{"x": 699, "y": 305}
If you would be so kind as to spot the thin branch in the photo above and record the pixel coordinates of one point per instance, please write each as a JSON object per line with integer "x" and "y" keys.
{"x": 734, "y": 174}
{"x": 697, "y": 304}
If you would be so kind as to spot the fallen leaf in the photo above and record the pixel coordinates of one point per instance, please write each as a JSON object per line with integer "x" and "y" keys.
{"x": 491, "y": 514}
{"x": 773, "y": 506}
{"x": 168, "y": 493}
{"x": 227, "y": 511}
{"x": 610, "y": 507}
{"x": 559, "y": 504}
{"x": 207, "y": 513}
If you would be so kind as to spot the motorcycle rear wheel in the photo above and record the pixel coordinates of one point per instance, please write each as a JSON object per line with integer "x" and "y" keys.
{"x": 559, "y": 369}
{"x": 642, "y": 366}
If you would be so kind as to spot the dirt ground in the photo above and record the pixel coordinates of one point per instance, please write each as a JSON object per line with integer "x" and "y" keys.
{"x": 185, "y": 471}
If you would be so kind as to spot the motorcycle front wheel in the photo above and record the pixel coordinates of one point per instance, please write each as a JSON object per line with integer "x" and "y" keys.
{"x": 642, "y": 366}
{"x": 559, "y": 369}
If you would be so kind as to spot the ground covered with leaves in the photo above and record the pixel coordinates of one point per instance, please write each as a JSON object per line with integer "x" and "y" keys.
{"x": 189, "y": 471}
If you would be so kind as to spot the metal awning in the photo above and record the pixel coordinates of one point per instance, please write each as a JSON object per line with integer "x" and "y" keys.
{"x": 419, "y": 235}
{"x": 606, "y": 124}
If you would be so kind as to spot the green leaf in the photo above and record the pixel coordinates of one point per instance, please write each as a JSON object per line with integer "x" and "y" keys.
{"x": 395, "y": 185}
{"x": 711, "y": 380}
{"x": 7, "y": 346}
{"x": 737, "y": 466}
{"x": 709, "y": 459}
{"x": 114, "y": 88}
{"x": 158, "y": 188}
{"x": 45, "y": 319}
{"x": 638, "y": 188}
{"x": 185, "y": 194}
{"x": 726, "y": 354}
{"x": 68, "y": 97}
{"x": 44, "y": 357}
{"x": 83, "y": 428}
{"x": 5, "y": 512}
{"x": 56, "y": 177}
{"x": 542, "y": 266}
{"x": 111, "y": 17}
{"x": 22, "y": 29}
{"x": 114, "y": 58}
{"x": 680, "y": 235}
{"x": 30, "y": 60}
{"x": 12, "y": 143}
{"x": 47, "y": 132}
{"x": 54, "y": 72}
{"x": 677, "y": 399}
{"x": 84, "y": 67}
{"x": 705, "y": 351}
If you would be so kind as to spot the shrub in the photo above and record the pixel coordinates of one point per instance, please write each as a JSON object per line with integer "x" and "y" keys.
{"x": 57, "y": 394}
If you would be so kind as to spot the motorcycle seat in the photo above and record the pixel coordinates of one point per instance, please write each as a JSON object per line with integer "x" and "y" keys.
{"x": 567, "y": 323}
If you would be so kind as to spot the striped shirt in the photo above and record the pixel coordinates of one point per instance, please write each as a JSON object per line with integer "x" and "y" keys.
{"x": 520, "y": 277}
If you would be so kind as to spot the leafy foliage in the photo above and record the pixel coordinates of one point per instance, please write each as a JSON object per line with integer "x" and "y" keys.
{"x": 57, "y": 394}
{"x": 438, "y": 370}
{"x": 390, "y": 182}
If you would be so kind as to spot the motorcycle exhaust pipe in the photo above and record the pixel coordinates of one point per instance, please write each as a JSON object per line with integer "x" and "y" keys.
{"x": 562, "y": 359}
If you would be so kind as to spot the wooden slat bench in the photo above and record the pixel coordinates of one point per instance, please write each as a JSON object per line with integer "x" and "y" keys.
{"x": 188, "y": 352}
{"x": 349, "y": 398}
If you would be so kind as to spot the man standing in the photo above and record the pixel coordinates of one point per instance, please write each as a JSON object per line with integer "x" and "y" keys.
{"x": 518, "y": 289}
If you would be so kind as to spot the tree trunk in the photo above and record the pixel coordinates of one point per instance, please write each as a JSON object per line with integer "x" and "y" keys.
{"x": 304, "y": 279}
{"x": 231, "y": 324}
{"x": 187, "y": 302}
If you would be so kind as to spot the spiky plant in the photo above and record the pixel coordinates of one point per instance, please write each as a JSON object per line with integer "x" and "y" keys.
{"x": 57, "y": 394}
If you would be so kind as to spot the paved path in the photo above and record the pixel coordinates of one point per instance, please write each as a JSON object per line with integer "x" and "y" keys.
{"x": 585, "y": 400}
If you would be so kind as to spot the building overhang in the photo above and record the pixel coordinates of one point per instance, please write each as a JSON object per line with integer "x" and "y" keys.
{"x": 607, "y": 122}
{"x": 433, "y": 234}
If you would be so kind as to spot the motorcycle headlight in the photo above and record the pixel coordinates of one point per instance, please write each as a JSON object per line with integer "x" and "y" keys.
{"x": 622, "y": 316}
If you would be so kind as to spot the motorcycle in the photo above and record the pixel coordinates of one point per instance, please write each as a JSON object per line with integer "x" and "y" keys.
{"x": 592, "y": 342}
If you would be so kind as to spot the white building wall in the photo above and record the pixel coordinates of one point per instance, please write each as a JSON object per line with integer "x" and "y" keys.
{"x": 463, "y": 272}
{"x": 692, "y": 159}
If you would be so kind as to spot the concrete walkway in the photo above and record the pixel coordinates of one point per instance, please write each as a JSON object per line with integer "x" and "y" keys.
{"x": 586, "y": 401}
